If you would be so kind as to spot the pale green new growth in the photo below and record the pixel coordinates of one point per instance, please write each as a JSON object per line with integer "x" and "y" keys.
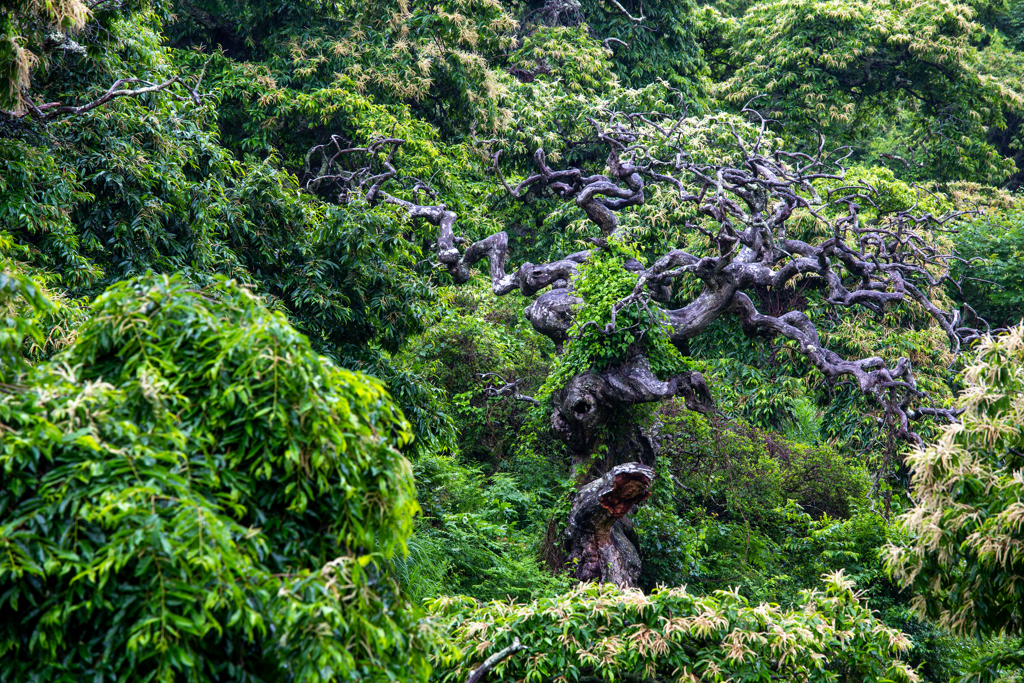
{"x": 964, "y": 554}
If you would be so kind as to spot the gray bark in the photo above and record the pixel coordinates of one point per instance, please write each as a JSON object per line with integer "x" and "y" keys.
{"x": 590, "y": 402}
{"x": 866, "y": 265}
{"x": 596, "y": 542}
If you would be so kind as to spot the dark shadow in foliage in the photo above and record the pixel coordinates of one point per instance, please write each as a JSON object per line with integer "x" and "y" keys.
{"x": 735, "y": 469}
{"x": 993, "y": 283}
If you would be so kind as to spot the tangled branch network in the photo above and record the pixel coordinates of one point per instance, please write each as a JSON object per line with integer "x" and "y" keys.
{"x": 866, "y": 263}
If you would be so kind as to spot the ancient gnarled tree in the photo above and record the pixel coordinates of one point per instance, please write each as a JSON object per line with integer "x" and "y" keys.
{"x": 745, "y": 207}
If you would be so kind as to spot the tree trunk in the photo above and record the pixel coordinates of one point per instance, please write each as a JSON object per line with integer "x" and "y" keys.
{"x": 595, "y": 536}
{"x": 591, "y": 413}
{"x": 591, "y": 402}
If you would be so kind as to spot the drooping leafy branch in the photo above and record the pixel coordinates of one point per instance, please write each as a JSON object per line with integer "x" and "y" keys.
{"x": 963, "y": 554}
{"x": 189, "y": 491}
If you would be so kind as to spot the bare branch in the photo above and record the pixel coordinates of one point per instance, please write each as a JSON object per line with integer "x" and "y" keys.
{"x": 51, "y": 110}
{"x": 507, "y": 389}
{"x": 477, "y": 674}
{"x": 636, "y": 20}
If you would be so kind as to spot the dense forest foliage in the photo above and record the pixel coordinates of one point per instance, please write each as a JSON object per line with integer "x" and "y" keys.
{"x": 556, "y": 341}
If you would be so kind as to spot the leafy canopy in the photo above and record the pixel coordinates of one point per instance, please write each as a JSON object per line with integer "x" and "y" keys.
{"x": 189, "y": 492}
{"x": 848, "y": 68}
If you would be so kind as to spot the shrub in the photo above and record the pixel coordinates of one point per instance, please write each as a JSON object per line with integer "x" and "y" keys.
{"x": 188, "y": 492}
{"x": 610, "y": 633}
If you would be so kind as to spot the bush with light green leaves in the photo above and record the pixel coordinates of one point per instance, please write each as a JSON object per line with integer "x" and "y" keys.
{"x": 963, "y": 554}
{"x": 604, "y": 633}
{"x": 188, "y": 492}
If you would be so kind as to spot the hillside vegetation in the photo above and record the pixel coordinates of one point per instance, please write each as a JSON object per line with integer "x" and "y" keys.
{"x": 546, "y": 341}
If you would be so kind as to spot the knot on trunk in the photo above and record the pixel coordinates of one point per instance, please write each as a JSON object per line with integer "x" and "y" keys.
{"x": 590, "y": 399}
{"x": 598, "y": 547}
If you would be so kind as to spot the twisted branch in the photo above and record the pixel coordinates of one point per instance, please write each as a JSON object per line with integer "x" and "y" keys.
{"x": 872, "y": 264}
